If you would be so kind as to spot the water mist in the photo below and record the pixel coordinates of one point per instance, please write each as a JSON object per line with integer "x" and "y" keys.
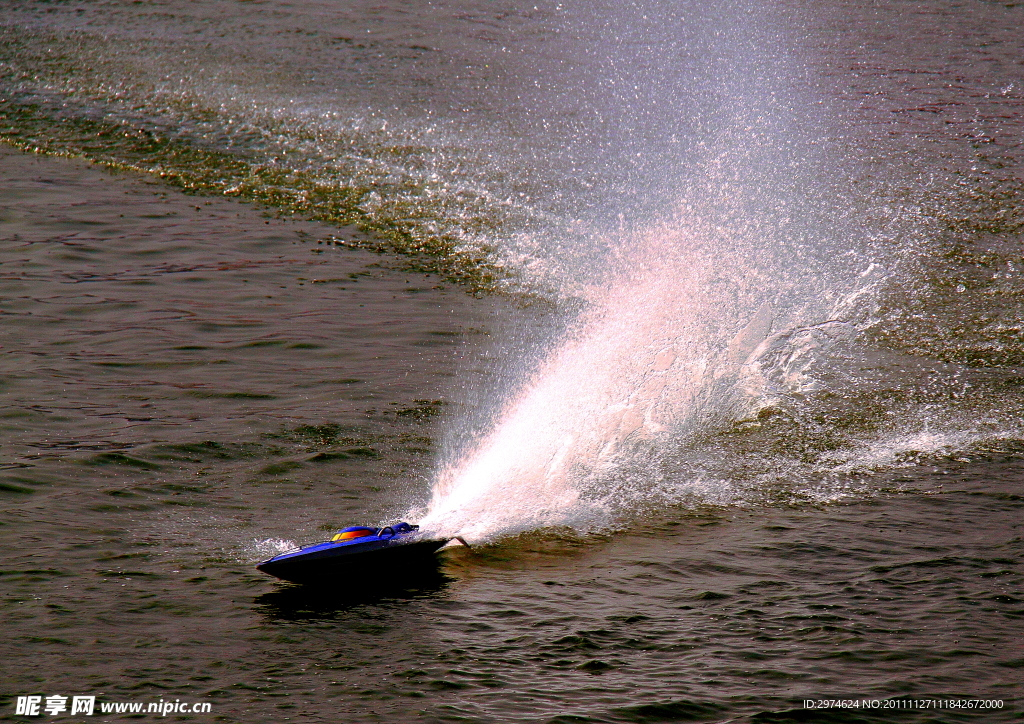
{"x": 700, "y": 311}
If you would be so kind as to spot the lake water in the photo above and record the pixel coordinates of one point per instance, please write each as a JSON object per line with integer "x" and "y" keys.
{"x": 701, "y": 321}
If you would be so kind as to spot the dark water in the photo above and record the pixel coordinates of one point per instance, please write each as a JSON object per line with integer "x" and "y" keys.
{"x": 741, "y": 358}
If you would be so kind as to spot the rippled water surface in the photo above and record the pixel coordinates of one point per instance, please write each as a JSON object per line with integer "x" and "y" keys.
{"x": 701, "y": 321}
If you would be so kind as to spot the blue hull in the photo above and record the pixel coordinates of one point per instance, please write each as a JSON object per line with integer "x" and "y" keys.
{"x": 367, "y": 557}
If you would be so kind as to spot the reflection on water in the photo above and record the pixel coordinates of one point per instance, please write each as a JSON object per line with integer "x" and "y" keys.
{"x": 328, "y": 600}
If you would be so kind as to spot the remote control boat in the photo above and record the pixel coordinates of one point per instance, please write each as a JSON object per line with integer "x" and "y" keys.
{"x": 357, "y": 551}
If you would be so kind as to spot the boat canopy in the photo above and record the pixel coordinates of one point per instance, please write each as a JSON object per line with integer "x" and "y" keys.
{"x": 356, "y": 531}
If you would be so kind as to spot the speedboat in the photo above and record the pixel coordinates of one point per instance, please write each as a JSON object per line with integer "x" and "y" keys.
{"x": 359, "y": 551}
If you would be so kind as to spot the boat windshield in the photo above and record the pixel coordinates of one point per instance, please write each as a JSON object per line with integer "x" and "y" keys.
{"x": 351, "y": 533}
